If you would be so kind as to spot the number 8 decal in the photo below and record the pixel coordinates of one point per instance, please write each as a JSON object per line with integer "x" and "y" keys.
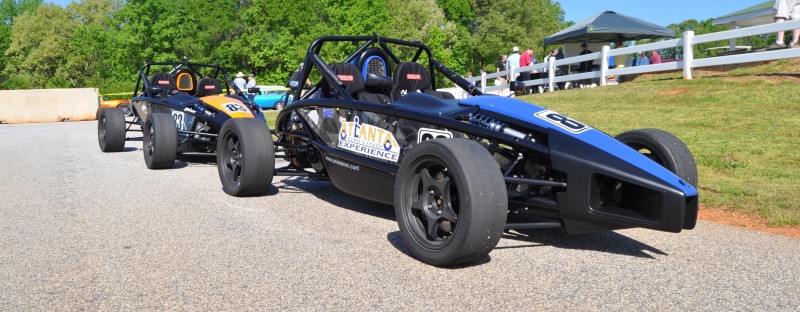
{"x": 562, "y": 121}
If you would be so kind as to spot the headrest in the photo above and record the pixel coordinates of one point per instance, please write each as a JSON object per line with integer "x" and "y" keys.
{"x": 349, "y": 75}
{"x": 411, "y": 76}
{"x": 163, "y": 80}
{"x": 208, "y": 86}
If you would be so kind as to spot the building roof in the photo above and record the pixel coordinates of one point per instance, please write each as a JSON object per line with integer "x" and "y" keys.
{"x": 759, "y": 14}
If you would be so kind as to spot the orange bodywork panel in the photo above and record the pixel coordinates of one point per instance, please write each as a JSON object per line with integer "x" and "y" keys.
{"x": 113, "y": 103}
{"x": 232, "y": 107}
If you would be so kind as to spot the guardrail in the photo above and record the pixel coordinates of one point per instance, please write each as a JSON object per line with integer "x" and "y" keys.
{"x": 687, "y": 63}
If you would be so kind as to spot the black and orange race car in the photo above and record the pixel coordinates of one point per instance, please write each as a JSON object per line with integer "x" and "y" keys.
{"x": 179, "y": 107}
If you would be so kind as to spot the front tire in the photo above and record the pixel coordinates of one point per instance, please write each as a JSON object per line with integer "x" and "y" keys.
{"x": 160, "y": 141}
{"x": 111, "y": 130}
{"x": 450, "y": 201}
{"x": 665, "y": 149}
{"x": 245, "y": 157}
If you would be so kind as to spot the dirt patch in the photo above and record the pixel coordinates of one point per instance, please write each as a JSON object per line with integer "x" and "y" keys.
{"x": 753, "y": 222}
{"x": 673, "y": 91}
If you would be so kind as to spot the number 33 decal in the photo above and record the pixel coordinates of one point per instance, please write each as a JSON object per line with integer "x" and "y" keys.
{"x": 562, "y": 121}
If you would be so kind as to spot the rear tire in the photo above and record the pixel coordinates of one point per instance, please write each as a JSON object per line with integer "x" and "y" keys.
{"x": 279, "y": 105}
{"x": 160, "y": 142}
{"x": 450, "y": 201}
{"x": 245, "y": 157}
{"x": 665, "y": 149}
{"x": 111, "y": 130}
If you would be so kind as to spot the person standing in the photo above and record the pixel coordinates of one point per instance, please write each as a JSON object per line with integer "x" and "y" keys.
{"x": 294, "y": 79}
{"x": 586, "y": 66}
{"x": 251, "y": 81}
{"x": 786, "y": 9}
{"x": 239, "y": 82}
{"x": 513, "y": 62}
{"x": 525, "y": 60}
{"x": 501, "y": 66}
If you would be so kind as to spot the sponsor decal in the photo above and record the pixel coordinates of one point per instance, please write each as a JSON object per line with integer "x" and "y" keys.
{"x": 562, "y": 121}
{"x": 163, "y": 82}
{"x": 210, "y": 87}
{"x": 327, "y": 113}
{"x": 345, "y": 78}
{"x": 234, "y": 107}
{"x": 425, "y": 134}
{"x": 368, "y": 140}
{"x": 342, "y": 163}
{"x": 413, "y": 76}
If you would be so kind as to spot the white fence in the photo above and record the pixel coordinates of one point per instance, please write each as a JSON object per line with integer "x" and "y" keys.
{"x": 687, "y": 63}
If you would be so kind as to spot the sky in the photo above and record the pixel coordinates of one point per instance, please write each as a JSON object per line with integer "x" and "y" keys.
{"x": 657, "y": 12}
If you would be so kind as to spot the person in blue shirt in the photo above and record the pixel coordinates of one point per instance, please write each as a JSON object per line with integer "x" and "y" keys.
{"x": 642, "y": 59}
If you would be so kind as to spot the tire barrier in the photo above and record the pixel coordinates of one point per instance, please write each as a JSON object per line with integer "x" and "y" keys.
{"x": 48, "y": 105}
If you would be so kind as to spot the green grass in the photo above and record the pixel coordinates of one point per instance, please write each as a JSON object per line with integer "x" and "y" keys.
{"x": 270, "y": 115}
{"x": 742, "y": 125}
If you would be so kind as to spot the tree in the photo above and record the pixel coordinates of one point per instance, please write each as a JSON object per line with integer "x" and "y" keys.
{"x": 36, "y": 54}
{"x": 10, "y": 9}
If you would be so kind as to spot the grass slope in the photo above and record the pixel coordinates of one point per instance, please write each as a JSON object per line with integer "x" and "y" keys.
{"x": 742, "y": 125}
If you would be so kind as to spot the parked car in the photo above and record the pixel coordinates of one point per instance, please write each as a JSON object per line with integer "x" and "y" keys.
{"x": 111, "y": 101}
{"x": 177, "y": 107}
{"x": 458, "y": 172}
{"x": 270, "y": 97}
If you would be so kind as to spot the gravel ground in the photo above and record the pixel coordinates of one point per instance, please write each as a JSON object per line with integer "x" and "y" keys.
{"x": 84, "y": 230}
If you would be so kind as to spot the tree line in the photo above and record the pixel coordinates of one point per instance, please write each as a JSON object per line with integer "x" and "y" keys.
{"x": 102, "y": 43}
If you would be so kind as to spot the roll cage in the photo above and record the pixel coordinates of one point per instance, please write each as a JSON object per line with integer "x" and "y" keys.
{"x": 143, "y": 87}
{"x": 365, "y": 43}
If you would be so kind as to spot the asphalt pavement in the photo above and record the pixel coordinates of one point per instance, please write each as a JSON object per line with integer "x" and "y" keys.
{"x": 86, "y": 230}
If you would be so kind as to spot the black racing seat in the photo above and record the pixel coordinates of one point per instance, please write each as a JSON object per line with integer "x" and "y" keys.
{"x": 353, "y": 83}
{"x": 165, "y": 81}
{"x": 413, "y": 77}
{"x": 208, "y": 86}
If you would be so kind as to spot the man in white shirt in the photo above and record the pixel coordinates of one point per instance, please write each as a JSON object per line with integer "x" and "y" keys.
{"x": 513, "y": 61}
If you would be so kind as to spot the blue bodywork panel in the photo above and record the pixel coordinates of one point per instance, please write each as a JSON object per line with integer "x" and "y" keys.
{"x": 541, "y": 117}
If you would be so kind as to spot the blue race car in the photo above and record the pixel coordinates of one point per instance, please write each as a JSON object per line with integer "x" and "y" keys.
{"x": 270, "y": 97}
{"x": 458, "y": 172}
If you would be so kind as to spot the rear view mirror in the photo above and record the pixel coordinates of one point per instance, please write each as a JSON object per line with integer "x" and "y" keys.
{"x": 155, "y": 90}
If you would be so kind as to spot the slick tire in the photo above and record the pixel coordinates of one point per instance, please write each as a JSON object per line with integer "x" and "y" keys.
{"x": 111, "y": 130}
{"x": 160, "y": 141}
{"x": 665, "y": 149}
{"x": 245, "y": 157}
{"x": 450, "y": 201}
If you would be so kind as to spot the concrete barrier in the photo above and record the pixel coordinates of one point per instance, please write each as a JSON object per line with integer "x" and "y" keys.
{"x": 48, "y": 105}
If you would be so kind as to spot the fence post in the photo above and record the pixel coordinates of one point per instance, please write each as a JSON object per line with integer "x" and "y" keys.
{"x": 483, "y": 82}
{"x": 511, "y": 75}
{"x": 688, "y": 54}
{"x": 551, "y": 73}
{"x": 604, "y": 65}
